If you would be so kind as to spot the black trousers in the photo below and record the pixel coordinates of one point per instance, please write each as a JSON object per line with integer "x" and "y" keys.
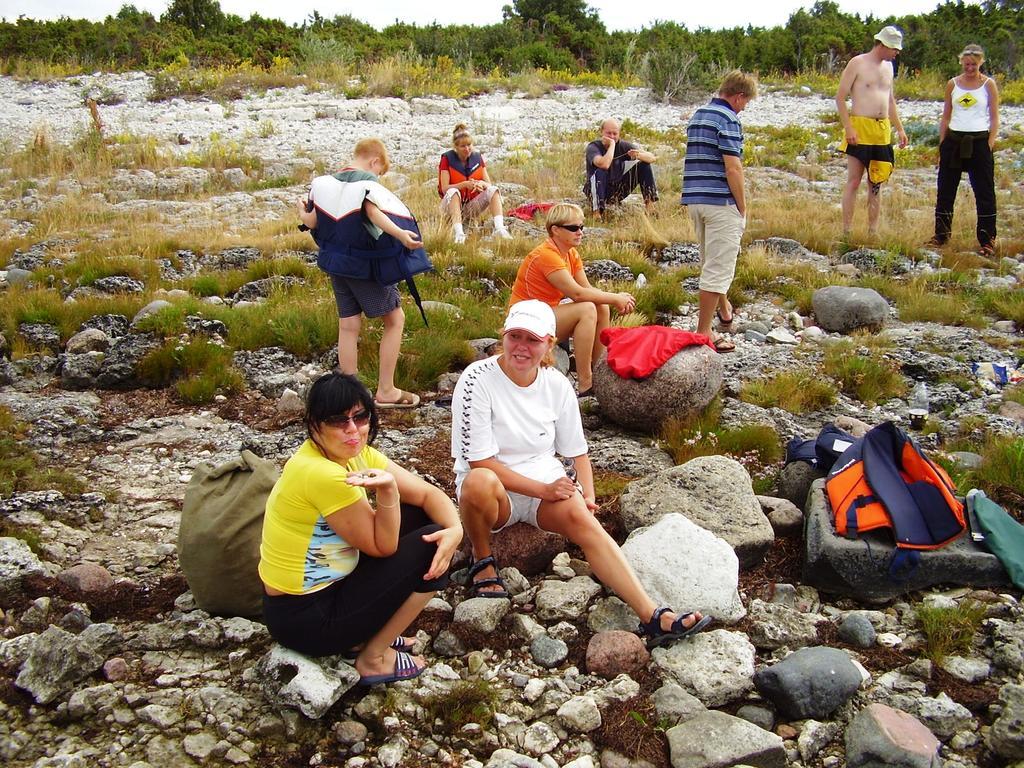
{"x": 980, "y": 167}
{"x": 601, "y": 189}
{"x": 353, "y": 609}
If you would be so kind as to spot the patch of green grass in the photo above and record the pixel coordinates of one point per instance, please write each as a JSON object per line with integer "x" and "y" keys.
{"x": 793, "y": 391}
{"x": 864, "y": 373}
{"x": 608, "y": 485}
{"x": 663, "y": 293}
{"x": 21, "y": 469}
{"x": 1014, "y": 394}
{"x": 1004, "y": 305}
{"x": 302, "y": 321}
{"x": 755, "y": 446}
{"x": 468, "y": 701}
{"x": 918, "y": 304}
{"x": 1001, "y": 473}
{"x": 199, "y": 369}
{"x": 949, "y": 630}
{"x": 781, "y": 147}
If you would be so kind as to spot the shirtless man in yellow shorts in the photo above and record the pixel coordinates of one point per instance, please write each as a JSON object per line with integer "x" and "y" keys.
{"x": 867, "y": 82}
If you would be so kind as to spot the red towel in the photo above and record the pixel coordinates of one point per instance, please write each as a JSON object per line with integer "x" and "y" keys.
{"x": 526, "y": 211}
{"x": 636, "y": 353}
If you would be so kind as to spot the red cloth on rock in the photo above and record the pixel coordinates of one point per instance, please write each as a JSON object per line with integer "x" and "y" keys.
{"x": 527, "y": 211}
{"x": 636, "y": 353}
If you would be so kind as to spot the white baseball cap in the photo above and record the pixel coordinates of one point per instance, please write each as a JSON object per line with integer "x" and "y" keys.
{"x": 531, "y": 316}
{"x": 890, "y": 37}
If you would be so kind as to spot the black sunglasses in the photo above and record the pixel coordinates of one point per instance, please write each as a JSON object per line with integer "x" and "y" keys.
{"x": 571, "y": 227}
{"x": 360, "y": 419}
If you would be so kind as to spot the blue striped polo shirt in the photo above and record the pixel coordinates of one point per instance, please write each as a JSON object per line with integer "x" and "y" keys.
{"x": 714, "y": 131}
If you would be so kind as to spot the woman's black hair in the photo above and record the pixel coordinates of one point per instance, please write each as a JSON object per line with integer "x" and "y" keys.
{"x": 334, "y": 394}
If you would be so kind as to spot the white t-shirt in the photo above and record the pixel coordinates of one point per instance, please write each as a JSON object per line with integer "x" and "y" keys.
{"x": 523, "y": 427}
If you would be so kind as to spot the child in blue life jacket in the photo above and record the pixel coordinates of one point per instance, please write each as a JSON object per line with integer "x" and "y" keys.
{"x": 351, "y": 214}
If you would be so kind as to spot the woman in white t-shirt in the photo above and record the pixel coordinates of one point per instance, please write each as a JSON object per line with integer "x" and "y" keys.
{"x": 511, "y": 415}
{"x": 967, "y": 135}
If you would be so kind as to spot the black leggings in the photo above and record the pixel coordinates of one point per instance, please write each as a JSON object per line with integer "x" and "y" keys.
{"x": 980, "y": 168}
{"x": 353, "y": 609}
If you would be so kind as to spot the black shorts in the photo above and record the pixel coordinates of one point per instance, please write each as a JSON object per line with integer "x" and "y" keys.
{"x": 353, "y": 297}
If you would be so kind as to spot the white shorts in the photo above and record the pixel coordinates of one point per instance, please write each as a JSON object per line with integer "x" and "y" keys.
{"x": 523, "y": 509}
{"x": 719, "y": 230}
{"x": 472, "y": 208}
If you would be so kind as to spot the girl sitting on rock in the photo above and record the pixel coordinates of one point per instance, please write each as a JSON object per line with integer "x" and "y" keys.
{"x": 465, "y": 187}
{"x": 342, "y": 575}
{"x": 510, "y": 415}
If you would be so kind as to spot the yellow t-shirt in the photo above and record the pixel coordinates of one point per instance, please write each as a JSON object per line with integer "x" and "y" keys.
{"x": 300, "y": 552}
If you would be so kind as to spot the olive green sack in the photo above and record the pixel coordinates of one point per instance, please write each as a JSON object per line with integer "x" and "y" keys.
{"x": 219, "y": 536}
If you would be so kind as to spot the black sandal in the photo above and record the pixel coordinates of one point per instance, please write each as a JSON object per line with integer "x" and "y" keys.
{"x": 496, "y": 580}
{"x": 657, "y": 637}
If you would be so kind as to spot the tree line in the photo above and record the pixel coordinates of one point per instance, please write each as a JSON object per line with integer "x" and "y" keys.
{"x": 556, "y": 34}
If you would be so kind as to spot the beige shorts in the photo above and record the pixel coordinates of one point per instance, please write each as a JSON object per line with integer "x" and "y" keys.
{"x": 472, "y": 208}
{"x": 719, "y": 229}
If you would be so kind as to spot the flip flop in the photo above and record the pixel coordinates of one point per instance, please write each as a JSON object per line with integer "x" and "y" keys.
{"x": 723, "y": 345}
{"x": 399, "y": 644}
{"x": 405, "y": 401}
{"x": 722, "y": 321}
{"x": 405, "y": 669}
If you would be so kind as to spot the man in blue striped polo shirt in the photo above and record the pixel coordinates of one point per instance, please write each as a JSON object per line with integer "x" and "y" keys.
{"x": 713, "y": 194}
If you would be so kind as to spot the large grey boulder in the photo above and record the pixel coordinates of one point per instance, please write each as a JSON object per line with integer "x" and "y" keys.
{"x": 118, "y": 369}
{"x": 795, "y": 481}
{"x": 80, "y": 371}
{"x": 88, "y": 340}
{"x": 683, "y": 385}
{"x": 714, "y": 492}
{"x": 290, "y": 679}
{"x": 58, "y": 660}
{"x": 481, "y": 614}
{"x": 860, "y": 567}
{"x": 686, "y": 567}
{"x": 842, "y": 309}
{"x": 713, "y": 739}
{"x": 810, "y": 682}
{"x": 1006, "y": 738}
{"x": 717, "y": 667}
{"x": 157, "y": 305}
{"x": 879, "y": 736}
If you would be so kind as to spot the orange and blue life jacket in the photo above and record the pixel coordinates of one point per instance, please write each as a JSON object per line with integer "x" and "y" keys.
{"x": 459, "y": 171}
{"x": 884, "y": 480}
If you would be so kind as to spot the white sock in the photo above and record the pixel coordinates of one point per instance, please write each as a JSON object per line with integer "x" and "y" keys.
{"x": 499, "y": 222}
{"x": 458, "y": 229}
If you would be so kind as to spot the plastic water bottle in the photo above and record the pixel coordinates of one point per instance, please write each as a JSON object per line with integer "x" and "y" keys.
{"x": 919, "y": 405}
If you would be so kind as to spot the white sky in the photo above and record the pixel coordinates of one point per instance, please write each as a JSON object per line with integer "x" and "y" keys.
{"x": 616, "y": 14}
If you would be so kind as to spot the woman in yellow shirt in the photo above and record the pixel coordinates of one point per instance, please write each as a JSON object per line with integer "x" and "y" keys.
{"x": 341, "y": 574}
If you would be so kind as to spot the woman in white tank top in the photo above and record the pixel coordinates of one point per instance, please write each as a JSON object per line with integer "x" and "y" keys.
{"x": 967, "y": 134}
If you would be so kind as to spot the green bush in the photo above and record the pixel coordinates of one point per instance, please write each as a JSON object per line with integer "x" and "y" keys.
{"x": 793, "y": 391}
{"x": 864, "y": 374}
{"x": 949, "y": 630}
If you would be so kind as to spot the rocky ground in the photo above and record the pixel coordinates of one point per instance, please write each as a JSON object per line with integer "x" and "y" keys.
{"x": 105, "y": 660}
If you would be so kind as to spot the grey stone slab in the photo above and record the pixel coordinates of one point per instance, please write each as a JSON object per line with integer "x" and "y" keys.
{"x": 860, "y": 567}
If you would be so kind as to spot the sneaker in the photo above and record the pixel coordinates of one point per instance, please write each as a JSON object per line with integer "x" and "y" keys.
{"x": 460, "y": 237}
{"x": 503, "y": 233}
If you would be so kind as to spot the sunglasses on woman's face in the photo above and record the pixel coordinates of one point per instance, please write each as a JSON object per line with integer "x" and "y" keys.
{"x": 359, "y": 418}
{"x": 571, "y": 227}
